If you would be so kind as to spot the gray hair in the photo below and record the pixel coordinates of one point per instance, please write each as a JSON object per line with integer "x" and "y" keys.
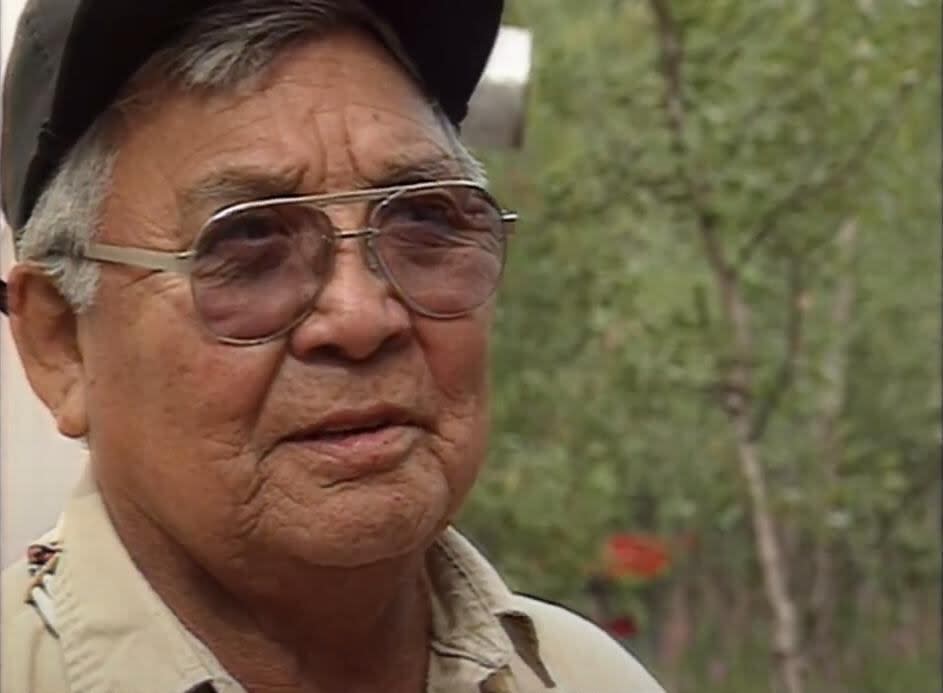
{"x": 222, "y": 49}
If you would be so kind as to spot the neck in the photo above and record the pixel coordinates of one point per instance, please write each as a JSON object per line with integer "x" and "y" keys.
{"x": 283, "y": 626}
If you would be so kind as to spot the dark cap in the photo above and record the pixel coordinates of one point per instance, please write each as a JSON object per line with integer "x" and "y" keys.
{"x": 70, "y": 59}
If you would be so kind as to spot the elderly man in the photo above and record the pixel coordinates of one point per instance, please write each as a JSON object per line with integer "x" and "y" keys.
{"x": 256, "y": 275}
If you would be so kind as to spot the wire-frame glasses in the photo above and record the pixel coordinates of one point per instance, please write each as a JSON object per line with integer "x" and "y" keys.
{"x": 256, "y": 268}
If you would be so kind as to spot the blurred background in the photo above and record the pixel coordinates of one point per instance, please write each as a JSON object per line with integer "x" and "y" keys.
{"x": 717, "y": 359}
{"x": 717, "y": 364}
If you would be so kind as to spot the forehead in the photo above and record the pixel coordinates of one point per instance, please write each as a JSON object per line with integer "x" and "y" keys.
{"x": 337, "y": 112}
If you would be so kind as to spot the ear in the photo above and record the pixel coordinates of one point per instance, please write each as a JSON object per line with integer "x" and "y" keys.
{"x": 46, "y": 337}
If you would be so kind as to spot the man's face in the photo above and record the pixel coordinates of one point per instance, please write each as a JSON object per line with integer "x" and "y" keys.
{"x": 225, "y": 447}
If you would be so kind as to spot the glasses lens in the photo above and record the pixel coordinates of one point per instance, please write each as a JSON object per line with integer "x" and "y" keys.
{"x": 443, "y": 248}
{"x": 258, "y": 271}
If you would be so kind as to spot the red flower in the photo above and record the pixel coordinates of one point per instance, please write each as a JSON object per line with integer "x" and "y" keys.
{"x": 621, "y": 628}
{"x": 634, "y": 555}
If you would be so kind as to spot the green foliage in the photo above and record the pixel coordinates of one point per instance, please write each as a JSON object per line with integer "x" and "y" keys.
{"x": 611, "y": 337}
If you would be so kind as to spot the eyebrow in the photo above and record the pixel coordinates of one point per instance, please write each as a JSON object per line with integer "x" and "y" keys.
{"x": 404, "y": 171}
{"x": 238, "y": 183}
{"x": 229, "y": 185}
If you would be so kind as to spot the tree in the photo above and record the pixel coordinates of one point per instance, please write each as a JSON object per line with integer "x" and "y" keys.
{"x": 725, "y": 206}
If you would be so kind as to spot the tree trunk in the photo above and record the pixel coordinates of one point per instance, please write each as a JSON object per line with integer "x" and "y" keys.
{"x": 676, "y": 631}
{"x": 741, "y": 410}
{"x": 737, "y": 378}
{"x": 786, "y": 645}
{"x": 834, "y": 366}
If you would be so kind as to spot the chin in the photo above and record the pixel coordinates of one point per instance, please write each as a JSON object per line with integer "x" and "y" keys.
{"x": 362, "y": 526}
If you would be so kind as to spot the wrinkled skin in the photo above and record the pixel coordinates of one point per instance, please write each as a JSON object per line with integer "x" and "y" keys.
{"x": 186, "y": 434}
{"x": 187, "y": 429}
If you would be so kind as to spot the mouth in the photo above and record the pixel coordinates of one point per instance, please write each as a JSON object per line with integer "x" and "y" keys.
{"x": 353, "y": 444}
{"x": 348, "y": 431}
{"x": 353, "y": 425}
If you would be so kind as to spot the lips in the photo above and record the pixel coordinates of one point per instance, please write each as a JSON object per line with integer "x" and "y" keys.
{"x": 351, "y": 445}
{"x": 346, "y": 431}
{"x": 351, "y": 423}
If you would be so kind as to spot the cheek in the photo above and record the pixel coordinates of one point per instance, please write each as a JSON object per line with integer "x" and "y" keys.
{"x": 457, "y": 356}
{"x": 160, "y": 385}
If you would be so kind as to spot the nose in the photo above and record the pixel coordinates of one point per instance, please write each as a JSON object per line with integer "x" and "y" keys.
{"x": 357, "y": 315}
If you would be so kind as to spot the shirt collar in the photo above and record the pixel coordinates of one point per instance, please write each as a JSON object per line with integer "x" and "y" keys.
{"x": 474, "y": 614}
{"x": 118, "y": 635}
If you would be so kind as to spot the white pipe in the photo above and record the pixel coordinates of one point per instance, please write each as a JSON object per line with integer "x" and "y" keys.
{"x": 498, "y": 109}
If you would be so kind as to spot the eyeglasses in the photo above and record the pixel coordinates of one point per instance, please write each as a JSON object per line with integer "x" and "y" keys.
{"x": 257, "y": 268}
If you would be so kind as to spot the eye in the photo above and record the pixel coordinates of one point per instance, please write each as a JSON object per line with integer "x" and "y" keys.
{"x": 424, "y": 212}
{"x": 250, "y": 228}
{"x": 434, "y": 209}
{"x": 245, "y": 244}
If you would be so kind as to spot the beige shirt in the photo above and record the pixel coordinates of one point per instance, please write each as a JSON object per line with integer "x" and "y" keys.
{"x": 94, "y": 625}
